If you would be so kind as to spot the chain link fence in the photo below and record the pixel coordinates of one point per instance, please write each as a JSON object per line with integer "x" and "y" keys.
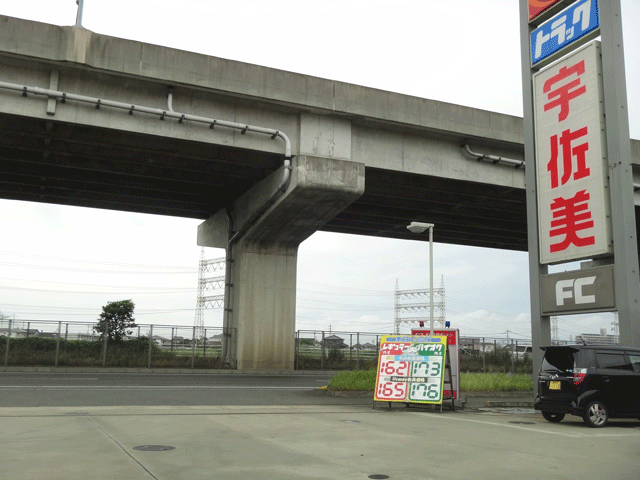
{"x": 331, "y": 350}
{"x": 77, "y": 344}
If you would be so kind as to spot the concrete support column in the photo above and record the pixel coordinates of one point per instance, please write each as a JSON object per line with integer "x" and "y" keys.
{"x": 264, "y": 306}
{"x": 261, "y": 297}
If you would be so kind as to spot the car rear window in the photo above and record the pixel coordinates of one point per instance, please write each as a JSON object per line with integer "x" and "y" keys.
{"x": 557, "y": 360}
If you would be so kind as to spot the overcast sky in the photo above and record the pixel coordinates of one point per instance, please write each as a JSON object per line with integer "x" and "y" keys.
{"x": 63, "y": 263}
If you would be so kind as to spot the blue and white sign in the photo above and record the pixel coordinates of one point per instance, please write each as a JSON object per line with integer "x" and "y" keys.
{"x": 580, "y": 21}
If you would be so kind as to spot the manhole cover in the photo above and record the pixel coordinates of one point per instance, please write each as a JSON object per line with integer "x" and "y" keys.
{"x": 153, "y": 448}
{"x": 523, "y": 423}
{"x": 378, "y": 476}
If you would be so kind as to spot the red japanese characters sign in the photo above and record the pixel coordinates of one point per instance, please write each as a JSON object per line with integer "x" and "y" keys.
{"x": 573, "y": 203}
{"x": 536, "y": 7}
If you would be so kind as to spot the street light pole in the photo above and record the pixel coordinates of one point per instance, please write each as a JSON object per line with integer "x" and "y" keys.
{"x": 419, "y": 227}
{"x": 431, "y": 278}
{"x": 80, "y": 4}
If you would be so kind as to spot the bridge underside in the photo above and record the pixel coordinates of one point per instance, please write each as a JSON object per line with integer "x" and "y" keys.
{"x": 53, "y": 162}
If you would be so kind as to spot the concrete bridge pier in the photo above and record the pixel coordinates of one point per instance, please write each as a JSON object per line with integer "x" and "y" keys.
{"x": 260, "y": 296}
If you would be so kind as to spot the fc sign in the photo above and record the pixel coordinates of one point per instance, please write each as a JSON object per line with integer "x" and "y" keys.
{"x": 579, "y": 291}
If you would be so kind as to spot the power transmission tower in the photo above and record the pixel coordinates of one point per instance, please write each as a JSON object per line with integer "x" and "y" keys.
{"x": 401, "y": 308}
{"x": 205, "y": 284}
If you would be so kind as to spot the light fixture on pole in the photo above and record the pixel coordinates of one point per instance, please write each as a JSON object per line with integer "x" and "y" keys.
{"x": 419, "y": 227}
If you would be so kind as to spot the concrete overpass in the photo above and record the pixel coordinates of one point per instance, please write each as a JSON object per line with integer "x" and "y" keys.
{"x": 97, "y": 121}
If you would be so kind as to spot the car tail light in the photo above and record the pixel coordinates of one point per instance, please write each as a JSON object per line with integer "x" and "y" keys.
{"x": 578, "y": 375}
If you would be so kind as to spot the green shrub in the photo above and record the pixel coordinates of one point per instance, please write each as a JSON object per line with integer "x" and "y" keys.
{"x": 357, "y": 380}
{"x": 494, "y": 382}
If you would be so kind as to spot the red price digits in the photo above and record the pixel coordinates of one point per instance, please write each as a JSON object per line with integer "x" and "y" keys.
{"x": 394, "y": 368}
{"x": 392, "y": 391}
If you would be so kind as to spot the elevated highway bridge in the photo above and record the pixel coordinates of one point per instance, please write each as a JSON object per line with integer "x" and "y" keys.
{"x": 263, "y": 156}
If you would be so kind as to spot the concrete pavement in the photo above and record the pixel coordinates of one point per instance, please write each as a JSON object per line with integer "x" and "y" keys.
{"x": 309, "y": 441}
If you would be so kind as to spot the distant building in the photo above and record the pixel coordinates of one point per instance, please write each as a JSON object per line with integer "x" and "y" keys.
{"x": 475, "y": 346}
{"x": 595, "y": 339}
{"x": 365, "y": 346}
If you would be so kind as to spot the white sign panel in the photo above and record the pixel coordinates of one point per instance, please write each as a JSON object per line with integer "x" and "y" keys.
{"x": 574, "y": 219}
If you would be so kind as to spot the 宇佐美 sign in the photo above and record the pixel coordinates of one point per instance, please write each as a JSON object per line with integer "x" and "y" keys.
{"x": 574, "y": 220}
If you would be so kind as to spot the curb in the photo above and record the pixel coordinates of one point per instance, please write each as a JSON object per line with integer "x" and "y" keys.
{"x": 510, "y": 404}
{"x": 181, "y": 371}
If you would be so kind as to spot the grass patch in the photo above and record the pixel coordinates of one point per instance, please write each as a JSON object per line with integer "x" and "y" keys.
{"x": 365, "y": 380}
{"x": 494, "y": 382}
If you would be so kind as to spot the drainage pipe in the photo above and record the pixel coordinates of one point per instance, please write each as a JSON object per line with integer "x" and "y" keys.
{"x": 170, "y": 99}
{"x": 494, "y": 159}
{"x": 234, "y": 237}
{"x": 163, "y": 114}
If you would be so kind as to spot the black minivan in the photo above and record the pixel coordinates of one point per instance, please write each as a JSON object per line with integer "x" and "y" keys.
{"x": 595, "y": 382}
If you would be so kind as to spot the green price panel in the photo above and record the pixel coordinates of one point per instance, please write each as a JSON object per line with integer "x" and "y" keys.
{"x": 431, "y": 390}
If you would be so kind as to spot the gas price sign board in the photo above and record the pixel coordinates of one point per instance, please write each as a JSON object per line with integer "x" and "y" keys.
{"x": 411, "y": 369}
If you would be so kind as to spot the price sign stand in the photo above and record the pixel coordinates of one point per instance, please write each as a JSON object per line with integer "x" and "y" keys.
{"x": 411, "y": 369}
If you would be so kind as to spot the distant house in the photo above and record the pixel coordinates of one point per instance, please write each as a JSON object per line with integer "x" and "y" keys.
{"x": 215, "y": 341}
{"x": 161, "y": 341}
{"x": 181, "y": 341}
{"x": 334, "y": 341}
{"x": 14, "y": 333}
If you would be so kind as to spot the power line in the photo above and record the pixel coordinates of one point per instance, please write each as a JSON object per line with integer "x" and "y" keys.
{"x": 91, "y": 270}
{"x": 95, "y": 262}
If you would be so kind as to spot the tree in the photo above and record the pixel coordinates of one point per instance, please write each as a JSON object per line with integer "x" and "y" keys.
{"x": 115, "y": 320}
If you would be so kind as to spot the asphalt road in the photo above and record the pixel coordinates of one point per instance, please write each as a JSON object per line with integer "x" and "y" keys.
{"x": 36, "y": 389}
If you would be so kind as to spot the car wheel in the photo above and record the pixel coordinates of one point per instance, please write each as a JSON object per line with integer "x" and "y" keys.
{"x": 596, "y": 414}
{"x": 553, "y": 417}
